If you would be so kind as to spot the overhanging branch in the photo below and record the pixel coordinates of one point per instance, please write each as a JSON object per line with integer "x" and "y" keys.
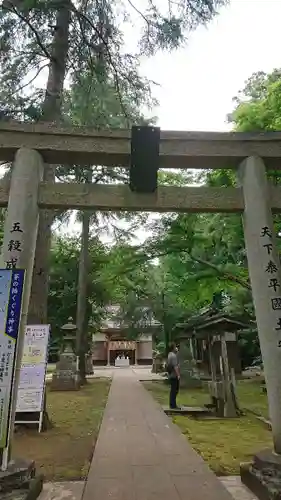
{"x": 221, "y": 272}
{"x": 13, "y": 10}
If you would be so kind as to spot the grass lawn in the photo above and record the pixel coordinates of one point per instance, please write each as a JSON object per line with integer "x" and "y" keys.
{"x": 224, "y": 444}
{"x": 251, "y": 397}
{"x": 63, "y": 453}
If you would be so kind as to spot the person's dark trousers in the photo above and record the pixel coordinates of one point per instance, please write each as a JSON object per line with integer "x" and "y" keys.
{"x": 174, "y": 389}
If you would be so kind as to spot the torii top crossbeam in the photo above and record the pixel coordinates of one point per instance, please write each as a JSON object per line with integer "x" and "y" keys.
{"x": 82, "y": 145}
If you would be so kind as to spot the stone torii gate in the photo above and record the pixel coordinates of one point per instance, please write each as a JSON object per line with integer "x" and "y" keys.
{"x": 29, "y": 146}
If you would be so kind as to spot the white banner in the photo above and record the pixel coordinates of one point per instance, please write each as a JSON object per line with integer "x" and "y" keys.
{"x": 33, "y": 369}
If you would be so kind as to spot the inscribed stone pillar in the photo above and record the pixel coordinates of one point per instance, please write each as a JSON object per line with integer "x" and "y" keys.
{"x": 20, "y": 234}
{"x": 265, "y": 276}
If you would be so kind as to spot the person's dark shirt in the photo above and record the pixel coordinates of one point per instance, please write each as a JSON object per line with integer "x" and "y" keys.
{"x": 172, "y": 363}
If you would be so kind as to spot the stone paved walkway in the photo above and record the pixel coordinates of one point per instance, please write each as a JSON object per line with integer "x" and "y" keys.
{"x": 133, "y": 405}
{"x": 141, "y": 455}
{"x": 72, "y": 490}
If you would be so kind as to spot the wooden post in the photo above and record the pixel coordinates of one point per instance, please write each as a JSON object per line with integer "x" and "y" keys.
{"x": 229, "y": 408}
{"x": 18, "y": 250}
{"x": 212, "y": 361}
{"x": 264, "y": 270}
{"x": 136, "y": 353}
{"x": 108, "y": 352}
{"x": 191, "y": 348}
{"x": 81, "y": 320}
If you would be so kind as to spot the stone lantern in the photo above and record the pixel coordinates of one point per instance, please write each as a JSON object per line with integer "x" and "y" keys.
{"x": 69, "y": 337}
{"x": 65, "y": 376}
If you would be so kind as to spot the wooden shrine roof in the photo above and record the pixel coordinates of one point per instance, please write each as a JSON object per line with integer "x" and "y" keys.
{"x": 210, "y": 325}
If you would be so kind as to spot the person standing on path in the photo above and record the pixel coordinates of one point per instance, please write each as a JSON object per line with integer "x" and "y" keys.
{"x": 174, "y": 375}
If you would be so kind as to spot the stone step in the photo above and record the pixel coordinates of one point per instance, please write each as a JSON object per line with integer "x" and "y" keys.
{"x": 188, "y": 410}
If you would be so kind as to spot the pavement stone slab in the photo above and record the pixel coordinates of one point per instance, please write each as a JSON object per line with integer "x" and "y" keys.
{"x": 237, "y": 489}
{"x": 71, "y": 490}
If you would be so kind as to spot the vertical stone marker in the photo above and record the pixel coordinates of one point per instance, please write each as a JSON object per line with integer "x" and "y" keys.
{"x": 20, "y": 233}
{"x": 265, "y": 276}
{"x": 264, "y": 270}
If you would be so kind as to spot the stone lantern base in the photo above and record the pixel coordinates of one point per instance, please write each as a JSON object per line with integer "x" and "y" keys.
{"x": 263, "y": 475}
{"x": 65, "y": 377}
{"x": 19, "y": 481}
{"x": 60, "y": 382}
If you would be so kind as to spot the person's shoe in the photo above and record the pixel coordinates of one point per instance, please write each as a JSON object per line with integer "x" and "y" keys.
{"x": 175, "y": 407}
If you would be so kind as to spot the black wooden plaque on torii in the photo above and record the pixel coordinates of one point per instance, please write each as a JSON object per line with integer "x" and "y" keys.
{"x": 144, "y": 166}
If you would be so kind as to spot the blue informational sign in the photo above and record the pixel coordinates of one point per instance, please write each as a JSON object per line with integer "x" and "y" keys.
{"x": 11, "y": 293}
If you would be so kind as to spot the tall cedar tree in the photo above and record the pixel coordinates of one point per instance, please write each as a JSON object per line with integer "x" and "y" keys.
{"x": 55, "y": 35}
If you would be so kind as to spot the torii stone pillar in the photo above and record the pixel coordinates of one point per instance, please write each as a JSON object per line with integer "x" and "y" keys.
{"x": 265, "y": 276}
{"x": 20, "y": 234}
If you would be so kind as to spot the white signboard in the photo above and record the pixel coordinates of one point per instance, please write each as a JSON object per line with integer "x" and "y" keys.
{"x": 29, "y": 400}
{"x": 11, "y": 290}
{"x": 31, "y": 376}
{"x": 33, "y": 369}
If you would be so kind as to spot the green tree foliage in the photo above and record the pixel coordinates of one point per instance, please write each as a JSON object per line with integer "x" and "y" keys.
{"x": 66, "y": 39}
{"x": 93, "y": 34}
{"x": 258, "y": 106}
{"x": 93, "y": 100}
{"x": 205, "y": 253}
{"x": 63, "y": 282}
{"x": 189, "y": 257}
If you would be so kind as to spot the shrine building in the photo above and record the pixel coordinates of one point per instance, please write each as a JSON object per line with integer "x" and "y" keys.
{"x": 114, "y": 340}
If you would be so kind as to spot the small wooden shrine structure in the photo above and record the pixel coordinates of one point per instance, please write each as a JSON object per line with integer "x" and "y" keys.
{"x": 214, "y": 327}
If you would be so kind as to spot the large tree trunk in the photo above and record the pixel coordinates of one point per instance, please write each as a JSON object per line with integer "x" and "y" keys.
{"x": 81, "y": 319}
{"x": 51, "y": 112}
